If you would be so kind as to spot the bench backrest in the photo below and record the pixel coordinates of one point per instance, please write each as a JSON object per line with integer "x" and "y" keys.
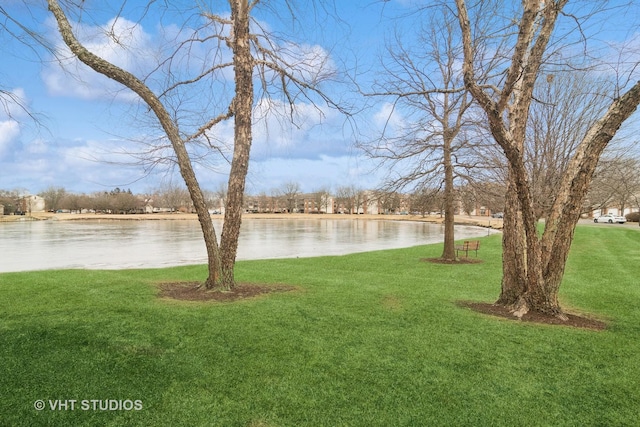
{"x": 472, "y": 245}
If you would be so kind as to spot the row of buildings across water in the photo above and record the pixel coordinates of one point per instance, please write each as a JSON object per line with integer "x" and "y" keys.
{"x": 364, "y": 202}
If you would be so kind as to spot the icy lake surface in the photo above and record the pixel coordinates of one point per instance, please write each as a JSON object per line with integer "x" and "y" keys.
{"x": 108, "y": 244}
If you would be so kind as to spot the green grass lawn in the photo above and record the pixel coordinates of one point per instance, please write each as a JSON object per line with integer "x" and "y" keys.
{"x": 372, "y": 339}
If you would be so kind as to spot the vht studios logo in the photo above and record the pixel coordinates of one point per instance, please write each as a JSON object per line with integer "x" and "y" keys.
{"x": 88, "y": 405}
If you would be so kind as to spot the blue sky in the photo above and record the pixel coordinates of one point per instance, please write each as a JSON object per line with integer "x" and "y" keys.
{"x": 88, "y": 124}
{"x": 83, "y": 127}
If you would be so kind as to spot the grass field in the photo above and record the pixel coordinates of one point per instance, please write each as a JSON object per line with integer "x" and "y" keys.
{"x": 372, "y": 339}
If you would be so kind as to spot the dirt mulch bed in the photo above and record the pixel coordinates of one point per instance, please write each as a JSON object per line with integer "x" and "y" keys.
{"x": 448, "y": 261}
{"x": 192, "y": 291}
{"x": 535, "y": 317}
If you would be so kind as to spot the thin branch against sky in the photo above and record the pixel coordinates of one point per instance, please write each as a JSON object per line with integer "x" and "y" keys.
{"x": 318, "y": 149}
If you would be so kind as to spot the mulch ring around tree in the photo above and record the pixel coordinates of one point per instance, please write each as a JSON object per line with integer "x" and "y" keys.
{"x": 193, "y": 291}
{"x": 465, "y": 260}
{"x": 573, "y": 320}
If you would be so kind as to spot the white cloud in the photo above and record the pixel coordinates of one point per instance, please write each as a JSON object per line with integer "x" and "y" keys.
{"x": 388, "y": 119}
{"x": 119, "y": 41}
{"x": 309, "y": 63}
{"x": 315, "y": 131}
{"x": 13, "y": 103}
{"x": 78, "y": 165}
{"x": 282, "y": 126}
{"x": 146, "y": 54}
{"x": 313, "y": 149}
{"x": 13, "y": 108}
{"x": 37, "y": 147}
{"x": 312, "y": 174}
{"x": 9, "y": 132}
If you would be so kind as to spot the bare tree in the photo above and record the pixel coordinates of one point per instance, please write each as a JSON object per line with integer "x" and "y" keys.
{"x": 99, "y": 202}
{"x": 565, "y": 105}
{"x": 221, "y": 194}
{"x": 388, "y": 201}
{"x": 225, "y": 43}
{"x": 349, "y": 199}
{"x": 423, "y": 200}
{"x": 76, "y": 202}
{"x": 488, "y": 194}
{"x": 289, "y": 192}
{"x": 425, "y": 82}
{"x": 213, "y": 201}
{"x": 533, "y": 265}
{"x": 359, "y": 198}
{"x": 53, "y": 197}
{"x": 125, "y": 202}
{"x": 342, "y": 200}
{"x": 264, "y": 202}
{"x": 321, "y": 200}
{"x": 171, "y": 196}
{"x": 468, "y": 198}
{"x": 616, "y": 183}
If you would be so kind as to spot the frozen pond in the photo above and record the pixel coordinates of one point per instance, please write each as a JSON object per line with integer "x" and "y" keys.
{"x": 108, "y": 244}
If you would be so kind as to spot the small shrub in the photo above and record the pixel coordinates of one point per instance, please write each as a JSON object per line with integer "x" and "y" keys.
{"x": 633, "y": 217}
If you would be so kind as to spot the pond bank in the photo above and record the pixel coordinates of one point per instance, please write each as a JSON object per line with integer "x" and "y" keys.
{"x": 479, "y": 221}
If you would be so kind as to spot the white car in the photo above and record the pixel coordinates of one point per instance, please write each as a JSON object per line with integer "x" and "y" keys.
{"x": 610, "y": 218}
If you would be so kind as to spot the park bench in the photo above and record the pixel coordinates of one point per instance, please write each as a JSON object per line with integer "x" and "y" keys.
{"x": 468, "y": 245}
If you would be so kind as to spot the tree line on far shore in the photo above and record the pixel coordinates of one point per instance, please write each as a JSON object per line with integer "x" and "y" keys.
{"x": 616, "y": 185}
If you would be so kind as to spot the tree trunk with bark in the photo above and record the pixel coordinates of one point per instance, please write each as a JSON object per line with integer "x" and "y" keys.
{"x": 243, "y": 108}
{"x": 449, "y": 250}
{"x": 533, "y": 265}
{"x": 513, "y": 251}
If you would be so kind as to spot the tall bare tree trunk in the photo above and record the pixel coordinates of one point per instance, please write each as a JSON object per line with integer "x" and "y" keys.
{"x": 243, "y": 107}
{"x": 524, "y": 286}
{"x": 513, "y": 252}
{"x": 449, "y": 252}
